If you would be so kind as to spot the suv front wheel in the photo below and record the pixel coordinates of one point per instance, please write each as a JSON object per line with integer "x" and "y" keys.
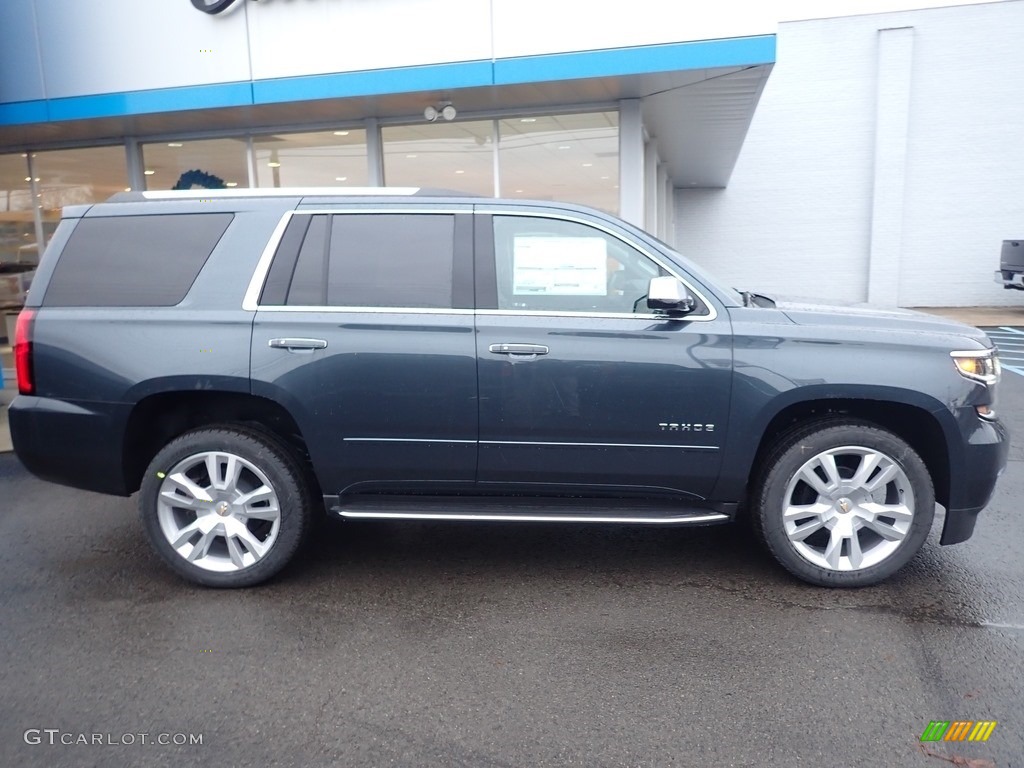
{"x": 843, "y": 504}
{"x": 225, "y": 506}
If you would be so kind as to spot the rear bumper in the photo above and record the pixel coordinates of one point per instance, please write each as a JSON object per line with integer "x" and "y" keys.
{"x": 973, "y": 478}
{"x": 70, "y": 443}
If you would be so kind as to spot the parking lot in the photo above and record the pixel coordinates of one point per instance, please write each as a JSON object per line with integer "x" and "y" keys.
{"x": 490, "y": 645}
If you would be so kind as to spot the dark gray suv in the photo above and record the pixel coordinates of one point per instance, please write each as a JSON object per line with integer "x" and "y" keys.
{"x": 249, "y": 360}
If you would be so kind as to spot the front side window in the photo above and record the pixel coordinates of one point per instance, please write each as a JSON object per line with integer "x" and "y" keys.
{"x": 372, "y": 260}
{"x": 552, "y": 265}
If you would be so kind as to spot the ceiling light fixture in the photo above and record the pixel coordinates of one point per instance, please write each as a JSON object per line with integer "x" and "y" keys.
{"x": 341, "y": 133}
{"x": 341, "y": 178}
{"x": 528, "y": 120}
{"x": 274, "y": 164}
{"x": 231, "y": 184}
{"x": 173, "y": 144}
{"x": 148, "y": 173}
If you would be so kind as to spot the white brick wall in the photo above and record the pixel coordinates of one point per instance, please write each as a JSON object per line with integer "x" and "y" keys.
{"x": 797, "y": 219}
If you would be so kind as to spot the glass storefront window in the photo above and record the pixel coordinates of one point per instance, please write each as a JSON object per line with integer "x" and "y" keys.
{"x": 76, "y": 177}
{"x": 203, "y": 163}
{"x": 323, "y": 159}
{"x": 571, "y": 158}
{"x": 17, "y": 223}
{"x": 441, "y": 155}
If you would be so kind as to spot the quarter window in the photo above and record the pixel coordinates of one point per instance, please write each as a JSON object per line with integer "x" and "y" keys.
{"x": 563, "y": 266}
{"x": 134, "y": 261}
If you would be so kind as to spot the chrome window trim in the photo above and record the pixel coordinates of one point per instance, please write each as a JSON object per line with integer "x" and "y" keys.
{"x": 712, "y": 314}
{"x": 252, "y": 293}
{"x": 405, "y": 440}
{"x": 600, "y": 445}
{"x": 250, "y": 301}
{"x": 364, "y": 310}
{"x": 243, "y": 192}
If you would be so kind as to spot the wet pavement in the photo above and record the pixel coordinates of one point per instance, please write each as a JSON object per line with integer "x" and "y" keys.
{"x": 491, "y": 645}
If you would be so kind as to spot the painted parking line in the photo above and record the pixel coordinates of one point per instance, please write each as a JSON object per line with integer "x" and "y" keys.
{"x": 1010, "y": 341}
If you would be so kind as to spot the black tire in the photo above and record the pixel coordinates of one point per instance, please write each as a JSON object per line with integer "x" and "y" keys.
{"x": 260, "y": 454}
{"x": 842, "y": 444}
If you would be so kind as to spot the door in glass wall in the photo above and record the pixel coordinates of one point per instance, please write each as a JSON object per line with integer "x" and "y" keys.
{"x": 570, "y": 158}
{"x": 456, "y": 156}
{"x": 201, "y": 164}
{"x": 322, "y": 159}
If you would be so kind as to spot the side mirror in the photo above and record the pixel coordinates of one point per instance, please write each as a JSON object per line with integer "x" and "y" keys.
{"x": 669, "y": 296}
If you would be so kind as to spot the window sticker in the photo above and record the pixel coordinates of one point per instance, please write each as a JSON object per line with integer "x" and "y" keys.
{"x": 559, "y": 266}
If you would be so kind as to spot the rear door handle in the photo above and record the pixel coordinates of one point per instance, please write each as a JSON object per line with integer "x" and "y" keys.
{"x": 524, "y": 350}
{"x": 298, "y": 344}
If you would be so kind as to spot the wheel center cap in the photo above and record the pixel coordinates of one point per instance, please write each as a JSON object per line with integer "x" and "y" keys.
{"x": 844, "y": 505}
{"x": 223, "y": 509}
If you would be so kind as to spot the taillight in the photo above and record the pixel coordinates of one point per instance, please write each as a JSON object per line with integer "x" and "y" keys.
{"x": 23, "y": 352}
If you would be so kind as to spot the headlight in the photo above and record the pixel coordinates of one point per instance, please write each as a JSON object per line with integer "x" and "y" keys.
{"x": 978, "y": 365}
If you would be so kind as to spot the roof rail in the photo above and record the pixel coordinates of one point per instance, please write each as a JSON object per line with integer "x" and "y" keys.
{"x": 185, "y": 194}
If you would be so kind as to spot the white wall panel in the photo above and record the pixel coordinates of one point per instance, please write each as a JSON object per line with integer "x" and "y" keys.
{"x": 528, "y": 27}
{"x": 796, "y": 218}
{"x": 105, "y": 46}
{"x": 965, "y": 157}
{"x": 321, "y": 36}
{"x": 21, "y": 77}
{"x": 793, "y": 219}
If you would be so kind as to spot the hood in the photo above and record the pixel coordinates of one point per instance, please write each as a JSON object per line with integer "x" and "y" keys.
{"x": 875, "y": 319}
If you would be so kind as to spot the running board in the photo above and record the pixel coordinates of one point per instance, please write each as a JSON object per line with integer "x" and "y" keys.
{"x": 524, "y": 510}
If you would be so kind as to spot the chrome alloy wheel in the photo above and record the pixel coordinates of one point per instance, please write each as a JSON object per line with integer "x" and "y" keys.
{"x": 848, "y": 508}
{"x": 218, "y": 511}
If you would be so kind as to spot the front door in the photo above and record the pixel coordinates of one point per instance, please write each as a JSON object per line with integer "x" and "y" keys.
{"x": 581, "y": 386}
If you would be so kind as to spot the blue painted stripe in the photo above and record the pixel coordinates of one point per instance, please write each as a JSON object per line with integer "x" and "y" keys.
{"x": 374, "y": 82}
{"x": 732, "y": 52}
{"x": 21, "y": 112}
{"x": 146, "y": 102}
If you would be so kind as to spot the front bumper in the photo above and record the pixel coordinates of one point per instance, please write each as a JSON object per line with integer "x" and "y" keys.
{"x": 972, "y": 478}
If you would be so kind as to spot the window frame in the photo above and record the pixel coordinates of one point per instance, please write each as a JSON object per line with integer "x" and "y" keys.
{"x": 486, "y": 270}
{"x": 69, "y": 259}
{"x": 462, "y": 266}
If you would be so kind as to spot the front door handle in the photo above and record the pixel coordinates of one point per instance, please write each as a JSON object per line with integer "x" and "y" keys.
{"x": 298, "y": 344}
{"x": 519, "y": 350}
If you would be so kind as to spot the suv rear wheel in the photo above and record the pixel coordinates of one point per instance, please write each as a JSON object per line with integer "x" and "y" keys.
{"x": 843, "y": 504}
{"x": 225, "y": 506}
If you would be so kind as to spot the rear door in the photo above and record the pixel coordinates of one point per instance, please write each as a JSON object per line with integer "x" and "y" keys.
{"x": 364, "y": 332}
{"x": 581, "y": 386}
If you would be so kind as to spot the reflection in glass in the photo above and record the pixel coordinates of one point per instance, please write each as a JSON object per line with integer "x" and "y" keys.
{"x": 441, "y": 155}
{"x": 202, "y": 164}
{"x": 17, "y": 224}
{"x": 571, "y": 158}
{"x": 323, "y": 159}
{"x": 76, "y": 177}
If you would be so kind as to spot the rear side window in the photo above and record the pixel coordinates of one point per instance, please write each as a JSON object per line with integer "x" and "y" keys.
{"x": 134, "y": 261}
{"x": 375, "y": 260}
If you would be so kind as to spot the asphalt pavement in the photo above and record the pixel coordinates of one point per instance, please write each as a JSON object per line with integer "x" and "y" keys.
{"x": 398, "y": 644}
